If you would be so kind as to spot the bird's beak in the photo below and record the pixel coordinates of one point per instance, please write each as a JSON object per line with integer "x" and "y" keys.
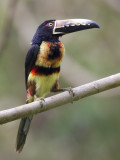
{"x": 62, "y": 27}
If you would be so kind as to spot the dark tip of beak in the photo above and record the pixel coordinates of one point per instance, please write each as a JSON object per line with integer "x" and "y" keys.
{"x": 94, "y": 25}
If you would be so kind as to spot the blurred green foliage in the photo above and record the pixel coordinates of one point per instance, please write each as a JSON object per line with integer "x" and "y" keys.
{"x": 88, "y": 129}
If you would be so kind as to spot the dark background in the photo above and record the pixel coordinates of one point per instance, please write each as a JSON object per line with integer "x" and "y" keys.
{"x": 87, "y": 129}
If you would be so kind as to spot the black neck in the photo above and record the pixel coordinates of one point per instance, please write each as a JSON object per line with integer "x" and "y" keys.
{"x": 37, "y": 39}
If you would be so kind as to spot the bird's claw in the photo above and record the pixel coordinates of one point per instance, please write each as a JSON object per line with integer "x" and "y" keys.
{"x": 70, "y": 90}
{"x": 40, "y": 99}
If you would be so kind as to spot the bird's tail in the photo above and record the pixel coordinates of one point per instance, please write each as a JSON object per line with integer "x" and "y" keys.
{"x": 23, "y": 127}
{"x": 22, "y": 132}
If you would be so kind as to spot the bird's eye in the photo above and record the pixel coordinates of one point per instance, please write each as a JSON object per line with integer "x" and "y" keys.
{"x": 50, "y": 24}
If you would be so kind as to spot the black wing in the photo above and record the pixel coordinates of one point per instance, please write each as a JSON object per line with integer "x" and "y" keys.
{"x": 30, "y": 60}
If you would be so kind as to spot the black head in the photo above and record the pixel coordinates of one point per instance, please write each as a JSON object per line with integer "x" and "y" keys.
{"x": 51, "y": 30}
{"x": 44, "y": 32}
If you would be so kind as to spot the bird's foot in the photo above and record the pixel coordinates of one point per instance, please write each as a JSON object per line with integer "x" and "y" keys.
{"x": 27, "y": 101}
{"x": 41, "y": 99}
{"x": 69, "y": 89}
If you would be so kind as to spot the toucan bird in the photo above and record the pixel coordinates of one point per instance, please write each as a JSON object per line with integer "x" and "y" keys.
{"x": 42, "y": 64}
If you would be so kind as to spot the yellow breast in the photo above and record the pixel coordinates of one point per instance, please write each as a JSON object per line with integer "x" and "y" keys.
{"x": 43, "y": 83}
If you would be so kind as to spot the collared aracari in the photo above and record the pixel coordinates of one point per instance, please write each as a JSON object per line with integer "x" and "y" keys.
{"x": 42, "y": 64}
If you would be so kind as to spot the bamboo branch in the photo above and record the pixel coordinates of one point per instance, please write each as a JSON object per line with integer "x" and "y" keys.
{"x": 60, "y": 99}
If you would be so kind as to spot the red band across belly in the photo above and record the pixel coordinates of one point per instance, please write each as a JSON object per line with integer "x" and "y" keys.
{"x": 45, "y": 70}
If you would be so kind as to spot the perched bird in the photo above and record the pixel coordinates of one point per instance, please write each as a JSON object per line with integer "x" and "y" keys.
{"x": 42, "y": 64}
